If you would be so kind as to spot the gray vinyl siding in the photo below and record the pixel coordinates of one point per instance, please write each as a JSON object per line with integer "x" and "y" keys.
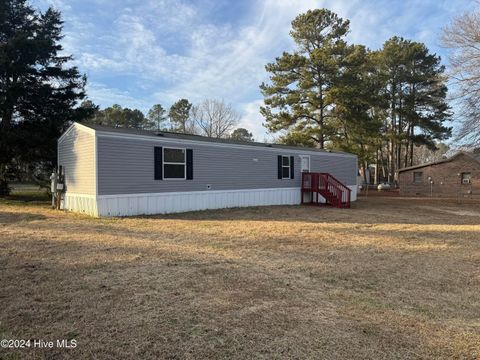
{"x": 344, "y": 168}
{"x": 76, "y": 153}
{"x": 126, "y": 166}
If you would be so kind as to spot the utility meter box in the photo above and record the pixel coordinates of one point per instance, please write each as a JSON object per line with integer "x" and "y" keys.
{"x": 53, "y": 183}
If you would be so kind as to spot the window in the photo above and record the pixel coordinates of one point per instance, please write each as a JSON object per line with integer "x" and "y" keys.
{"x": 417, "y": 176}
{"x": 285, "y": 167}
{"x": 466, "y": 176}
{"x": 173, "y": 163}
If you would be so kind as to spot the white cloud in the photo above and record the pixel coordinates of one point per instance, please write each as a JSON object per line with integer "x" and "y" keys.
{"x": 171, "y": 49}
{"x": 107, "y": 96}
{"x": 252, "y": 120}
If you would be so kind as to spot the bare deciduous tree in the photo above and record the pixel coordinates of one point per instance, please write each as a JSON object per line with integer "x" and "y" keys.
{"x": 215, "y": 118}
{"x": 423, "y": 154}
{"x": 463, "y": 38}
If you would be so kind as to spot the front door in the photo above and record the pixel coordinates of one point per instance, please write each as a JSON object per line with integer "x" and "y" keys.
{"x": 305, "y": 163}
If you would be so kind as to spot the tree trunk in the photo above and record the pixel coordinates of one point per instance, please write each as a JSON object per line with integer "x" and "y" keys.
{"x": 364, "y": 171}
{"x": 385, "y": 167}
{"x": 399, "y": 136}
{"x": 393, "y": 133}
{"x": 407, "y": 147}
{"x": 411, "y": 145}
{"x": 321, "y": 120}
{"x": 391, "y": 159}
{"x": 412, "y": 124}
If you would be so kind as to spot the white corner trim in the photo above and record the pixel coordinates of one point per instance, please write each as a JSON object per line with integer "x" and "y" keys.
{"x": 85, "y": 128}
{"x": 66, "y": 132}
{"x": 95, "y": 157}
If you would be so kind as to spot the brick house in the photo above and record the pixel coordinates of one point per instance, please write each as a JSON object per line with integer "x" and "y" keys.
{"x": 457, "y": 176}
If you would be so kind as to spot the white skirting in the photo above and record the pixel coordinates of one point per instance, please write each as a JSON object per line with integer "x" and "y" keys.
{"x": 353, "y": 195}
{"x": 175, "y": 202}
{"x": 80, "y": 203}
{"x": 165, "y": 203}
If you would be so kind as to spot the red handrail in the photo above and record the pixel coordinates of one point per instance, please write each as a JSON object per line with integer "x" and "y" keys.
{"x": 334, "y": 191}
{"x": 338, "y": 182}
{"x": 345, "y": 196}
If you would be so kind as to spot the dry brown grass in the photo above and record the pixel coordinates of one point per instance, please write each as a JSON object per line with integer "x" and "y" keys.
{"x": 389, "y": 278}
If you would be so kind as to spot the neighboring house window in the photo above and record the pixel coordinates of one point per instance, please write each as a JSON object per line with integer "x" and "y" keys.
{"x": 466, "y": 176}
{"x": 174, "y": 163}
{"x": 417, "y": 176}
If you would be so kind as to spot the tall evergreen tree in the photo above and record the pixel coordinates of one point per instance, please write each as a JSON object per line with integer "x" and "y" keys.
{"x": 358, "y": 107}
{"x": 38, "y": 91}
{"x": 300, "y": 97}
{"x": 180, "y": 117}
{"x": 91, "y": 110}
{"x": 134, "y": 119}
{"x": 111, "y": 116}
{"x": 157, "y": 116}
{"x": 118, "y": 117}
{"x": 415, "y": 90}
{"x": 241, "y": 134}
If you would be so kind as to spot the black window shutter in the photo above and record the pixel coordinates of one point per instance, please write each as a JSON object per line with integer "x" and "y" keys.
{"x": 189, "y": 164}
{"x": 158, "y": 161}
{"x": 279, "y": 166}
{"x": 292, "y": 169}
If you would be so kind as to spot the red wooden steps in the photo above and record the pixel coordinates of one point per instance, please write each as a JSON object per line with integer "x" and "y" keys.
{"x": 330, "y": 188}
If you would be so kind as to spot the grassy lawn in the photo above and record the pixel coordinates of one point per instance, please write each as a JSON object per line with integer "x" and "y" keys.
{"x": 390, "y": 278}
{"x": 25, "y": 194}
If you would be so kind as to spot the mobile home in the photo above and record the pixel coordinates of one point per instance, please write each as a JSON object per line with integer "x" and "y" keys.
{"x": 121, "y": 172}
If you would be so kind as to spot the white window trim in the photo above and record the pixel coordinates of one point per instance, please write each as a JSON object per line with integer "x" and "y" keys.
{"x": 175, "y": 163}
{"x": 289, "y": 167}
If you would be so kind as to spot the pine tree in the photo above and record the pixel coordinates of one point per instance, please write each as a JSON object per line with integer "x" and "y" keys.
{"x": 300, "y": 97}
{"x": 180, "y": 118}
{"x": 415, "y": 90}
{"x": 241, "y": 134}
{"x": 358, "y": 107}
{"x": 38, "y": 92}
{"x": 156, "y": 116}
{"x": 118, "y": 117}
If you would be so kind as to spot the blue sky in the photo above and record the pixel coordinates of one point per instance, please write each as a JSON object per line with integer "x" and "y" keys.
{"x": 140, "y": 53}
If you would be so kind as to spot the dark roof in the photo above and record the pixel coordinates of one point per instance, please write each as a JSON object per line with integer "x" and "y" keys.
{"x": 174, "y": 135}
{"x": 474, "y": 156}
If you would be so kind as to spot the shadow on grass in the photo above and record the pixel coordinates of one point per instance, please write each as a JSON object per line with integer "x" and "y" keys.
{"x": 26, "y": 198}
{"x": 11, "y": 218}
